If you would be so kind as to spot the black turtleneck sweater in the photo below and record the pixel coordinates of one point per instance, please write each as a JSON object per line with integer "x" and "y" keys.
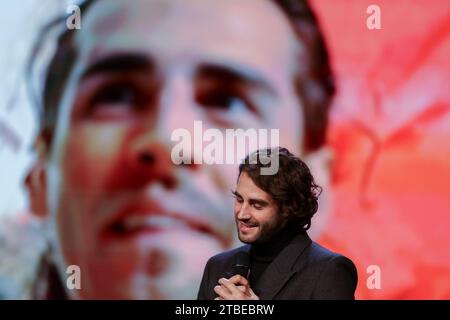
{"x": 262, "y": 254}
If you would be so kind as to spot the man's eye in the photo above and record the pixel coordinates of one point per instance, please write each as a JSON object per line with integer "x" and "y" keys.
{"x": 117, "y": 95}
{"x": 257, "y": 206}
{"x": 223, "y": 101}
{"x": 239, "y": 200}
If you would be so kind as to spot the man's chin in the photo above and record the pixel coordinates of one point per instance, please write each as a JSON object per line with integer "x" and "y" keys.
{"x": 247, "y": 239}
{"x": 167, "y": 265}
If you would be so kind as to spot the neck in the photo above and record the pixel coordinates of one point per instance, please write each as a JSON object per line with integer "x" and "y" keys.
{"x": 267, "y": 251}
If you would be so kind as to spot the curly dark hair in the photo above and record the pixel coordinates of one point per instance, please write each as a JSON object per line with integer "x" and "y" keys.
{"x": 292, "y": 188}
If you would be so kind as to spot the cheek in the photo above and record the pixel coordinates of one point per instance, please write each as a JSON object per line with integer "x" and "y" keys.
{"x": 237, "y": 207}
{"x": 88, "y": 159}
{"x": 91, "y": 154}
{"x": 268, "y": 219}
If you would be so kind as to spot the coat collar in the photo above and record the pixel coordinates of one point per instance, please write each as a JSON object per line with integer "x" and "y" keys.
{"x": 282, "y": 267}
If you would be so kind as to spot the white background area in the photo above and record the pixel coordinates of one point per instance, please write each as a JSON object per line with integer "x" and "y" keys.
{"x": 22, "y": 238}
{"x": 20, "y": 23}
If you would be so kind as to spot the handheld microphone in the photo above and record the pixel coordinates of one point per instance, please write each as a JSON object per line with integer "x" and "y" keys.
{"x": 241, "y": 265}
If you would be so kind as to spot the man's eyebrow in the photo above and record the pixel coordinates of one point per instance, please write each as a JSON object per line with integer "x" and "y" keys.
{"x": 258, "y": 201}
{"x": 235, "y": 193}
{"x": 231, "y": 73}
{"x": 118, "y": 63}
{"x": 252, "y": 200}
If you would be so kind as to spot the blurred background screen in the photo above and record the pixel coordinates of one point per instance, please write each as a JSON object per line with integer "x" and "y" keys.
{"x": 91, "y": 92}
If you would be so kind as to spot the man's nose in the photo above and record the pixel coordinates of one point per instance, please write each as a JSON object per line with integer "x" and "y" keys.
{"x": 178, "y": 111}
{"x": 150, "y": 152}
{"x": 177, "y": 107}
{"x": 243, "y": 212}
{"x": 150, "y": 162}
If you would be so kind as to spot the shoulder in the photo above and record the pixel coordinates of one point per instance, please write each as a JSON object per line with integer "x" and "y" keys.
{"x": 337, "y": 274}
{"x": 320, "y": 254}
{"x": 327, "y": 259}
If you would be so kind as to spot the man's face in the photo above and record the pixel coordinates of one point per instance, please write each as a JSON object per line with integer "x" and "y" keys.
{"x": 256, "y": 214}
{"x": 139, "y": 226}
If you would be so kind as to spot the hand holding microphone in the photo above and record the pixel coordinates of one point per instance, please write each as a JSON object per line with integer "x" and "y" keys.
{"x": 237, "y": 286}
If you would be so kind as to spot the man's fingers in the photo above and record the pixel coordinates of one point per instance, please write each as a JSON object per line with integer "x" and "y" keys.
{"x": 223, "y": 292}
{"x": 241, "y": 283}
{"x": 235, "y": 288}
{"x": 238, "y": 279}
{"x": 231, "y": 287}
{"x": 242, "y": 288}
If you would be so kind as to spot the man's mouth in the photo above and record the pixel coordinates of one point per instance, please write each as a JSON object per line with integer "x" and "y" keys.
{"x": 246, "y": 226}
{"x": 137, "y": 220}
{"x": 145, "y": 223}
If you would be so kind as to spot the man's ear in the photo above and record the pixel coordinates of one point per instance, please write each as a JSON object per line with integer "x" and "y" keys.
{"x": 320, "y": 165}
{"x": 36, "y": 181}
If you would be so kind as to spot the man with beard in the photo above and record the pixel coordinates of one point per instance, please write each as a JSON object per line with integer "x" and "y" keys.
{"x": 273, "y": 213}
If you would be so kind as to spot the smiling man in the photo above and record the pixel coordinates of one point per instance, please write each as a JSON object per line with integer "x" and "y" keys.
{"x": 137, "y": 225}
{"x": 273, "y": 213}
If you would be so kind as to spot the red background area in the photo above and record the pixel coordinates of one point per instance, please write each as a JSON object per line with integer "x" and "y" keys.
{"x": 390, "y": 132}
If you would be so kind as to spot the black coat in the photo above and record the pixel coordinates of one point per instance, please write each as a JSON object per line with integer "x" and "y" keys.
{"x": 302, "y": 270}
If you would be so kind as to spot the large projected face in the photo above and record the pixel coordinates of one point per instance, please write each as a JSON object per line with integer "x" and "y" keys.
{"x": 139, "y": 226}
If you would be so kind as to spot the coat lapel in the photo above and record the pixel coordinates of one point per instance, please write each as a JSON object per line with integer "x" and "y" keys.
{"x": 282, "y": 268}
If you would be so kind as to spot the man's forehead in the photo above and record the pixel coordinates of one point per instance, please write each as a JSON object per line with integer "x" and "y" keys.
{"x": 250, "y": 31}
{"x": 251, "y": 190}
